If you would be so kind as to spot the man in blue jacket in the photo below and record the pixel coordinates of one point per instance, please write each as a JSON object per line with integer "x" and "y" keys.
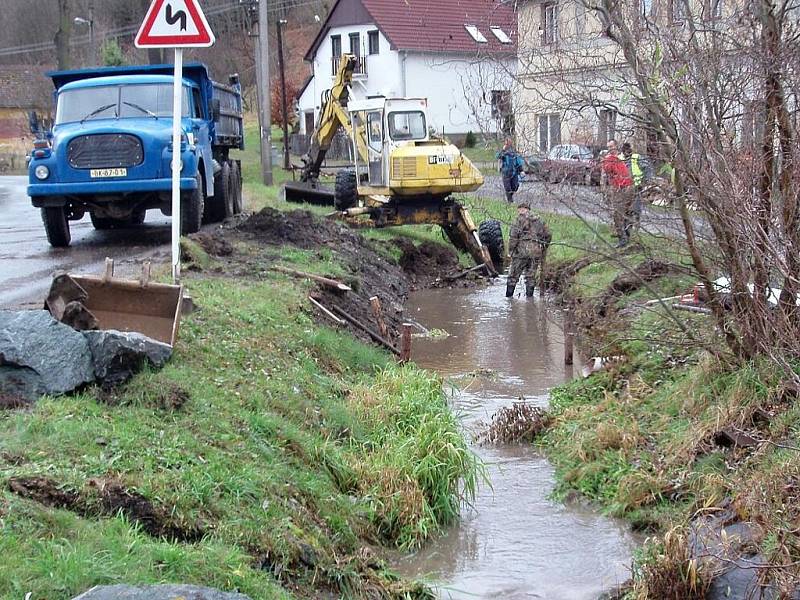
{"x": 511, "y": 165}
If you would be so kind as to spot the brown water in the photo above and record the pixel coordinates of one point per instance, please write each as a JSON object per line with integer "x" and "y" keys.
{"x": 514, "y": 542}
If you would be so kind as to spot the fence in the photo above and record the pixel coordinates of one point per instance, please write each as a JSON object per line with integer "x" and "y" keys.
{"x": 341, "y": 147}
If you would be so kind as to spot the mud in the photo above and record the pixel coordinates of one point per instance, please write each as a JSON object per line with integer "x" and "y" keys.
{"x": 214, "y": 244}
{"x": 114, "y": 498}
{"x": 161, "y": 395}
{"x": 428, "y": 262}
{"x": 44, "y": 491}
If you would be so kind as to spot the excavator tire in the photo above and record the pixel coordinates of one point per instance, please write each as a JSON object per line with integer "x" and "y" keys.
{"x": 345, "y": 191}
{"x": 490, "y": 233}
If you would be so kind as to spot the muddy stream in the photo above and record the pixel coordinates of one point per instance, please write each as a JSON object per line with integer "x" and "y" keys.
{"x": 514, "y": 542}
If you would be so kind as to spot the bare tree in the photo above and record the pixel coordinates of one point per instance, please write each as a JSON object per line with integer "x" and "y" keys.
{"x": 63, "y": 34}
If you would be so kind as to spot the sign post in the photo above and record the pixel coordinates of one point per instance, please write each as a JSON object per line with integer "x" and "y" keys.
{"x": 175, "y": 24}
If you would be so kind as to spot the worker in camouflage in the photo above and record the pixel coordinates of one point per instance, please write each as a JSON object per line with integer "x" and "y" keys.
{"x": 528, "y": 241}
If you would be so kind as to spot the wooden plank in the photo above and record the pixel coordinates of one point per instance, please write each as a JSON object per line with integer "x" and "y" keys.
{"x": 326, "y": 281}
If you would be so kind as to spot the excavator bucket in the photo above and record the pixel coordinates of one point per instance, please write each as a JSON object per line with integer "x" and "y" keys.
{"x": 152, "y": 309}
{"x": 308, "y": 193}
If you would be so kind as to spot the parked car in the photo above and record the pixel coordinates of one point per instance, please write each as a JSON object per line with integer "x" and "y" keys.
{"x": 533, "y": 165}
{"x": 572, "y": 162}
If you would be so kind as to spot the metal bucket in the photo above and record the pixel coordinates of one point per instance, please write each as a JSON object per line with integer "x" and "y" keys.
{"x": 152, "y": 309}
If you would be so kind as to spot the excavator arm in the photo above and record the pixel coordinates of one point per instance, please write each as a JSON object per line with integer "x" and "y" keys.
{"x": 333, "y": 116}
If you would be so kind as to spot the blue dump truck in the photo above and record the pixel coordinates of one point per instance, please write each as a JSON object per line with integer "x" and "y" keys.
{"x": 110, "y": 149}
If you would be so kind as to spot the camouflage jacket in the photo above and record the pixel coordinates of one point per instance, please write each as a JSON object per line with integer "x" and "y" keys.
{"x": 529, "y": 237}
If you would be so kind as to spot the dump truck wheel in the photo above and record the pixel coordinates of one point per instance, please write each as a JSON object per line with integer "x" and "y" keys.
{"x": 138, "y": 216}
{"x": 56, "y": 225}
{"x": 236, "y": 184}
{"x": 192, "y": 209}
{"x": 491, "y": 235}
{"x": 345, "y": 192}
{"x": 219, "y": 206}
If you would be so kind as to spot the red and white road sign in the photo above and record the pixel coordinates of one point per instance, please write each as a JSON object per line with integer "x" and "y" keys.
{"x": 174, "y": 24}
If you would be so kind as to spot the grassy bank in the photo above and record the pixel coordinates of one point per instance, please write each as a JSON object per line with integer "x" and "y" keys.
{"x": 272, "y": 455}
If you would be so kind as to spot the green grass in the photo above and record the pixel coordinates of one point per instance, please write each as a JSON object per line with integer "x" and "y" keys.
{"x": 282, "y": 450}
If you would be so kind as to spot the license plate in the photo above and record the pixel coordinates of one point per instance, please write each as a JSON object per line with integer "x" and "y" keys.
{"x": 95, "y": 173}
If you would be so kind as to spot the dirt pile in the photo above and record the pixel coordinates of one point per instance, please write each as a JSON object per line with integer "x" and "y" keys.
{"x": 428, "y": 262}
{"x": 369, "y": 273}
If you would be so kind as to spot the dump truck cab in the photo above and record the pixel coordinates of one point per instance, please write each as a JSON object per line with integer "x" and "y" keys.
{"x": 109, "y": 153}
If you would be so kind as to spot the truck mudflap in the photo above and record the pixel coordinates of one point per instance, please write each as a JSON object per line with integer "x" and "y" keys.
{"x": 308, "y": 193}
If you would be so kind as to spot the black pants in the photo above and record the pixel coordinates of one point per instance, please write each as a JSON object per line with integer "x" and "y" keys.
{"x": 510, "y": 185}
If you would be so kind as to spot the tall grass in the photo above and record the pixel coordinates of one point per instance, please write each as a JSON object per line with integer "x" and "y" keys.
{"x": 418, "y": 468}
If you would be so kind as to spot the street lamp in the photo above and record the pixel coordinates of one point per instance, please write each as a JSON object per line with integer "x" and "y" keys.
{"x": 90, "y": 23}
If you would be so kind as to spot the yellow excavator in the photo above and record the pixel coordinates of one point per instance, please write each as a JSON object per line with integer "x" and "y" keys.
{"x": 402, "y": 174}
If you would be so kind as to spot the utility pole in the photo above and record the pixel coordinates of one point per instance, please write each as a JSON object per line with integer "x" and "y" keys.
{"x": 284, "y": 110}
{"x": 262, "y": 81}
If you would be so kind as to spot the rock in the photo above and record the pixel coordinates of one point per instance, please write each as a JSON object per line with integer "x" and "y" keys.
{"x": 157, "y": 592}
{"x": 119, "y": 355}
{"x": 41, "y": 355}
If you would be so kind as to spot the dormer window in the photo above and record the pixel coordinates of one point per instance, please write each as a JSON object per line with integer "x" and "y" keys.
{"x": 476, "y": 34}
{"x": 501, "y": 35}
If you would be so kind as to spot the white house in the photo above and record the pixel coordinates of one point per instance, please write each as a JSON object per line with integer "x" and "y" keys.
{"x": 459, "y": 55}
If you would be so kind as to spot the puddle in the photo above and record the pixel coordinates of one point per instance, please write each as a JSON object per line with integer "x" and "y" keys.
{"x": 514, "y": 543}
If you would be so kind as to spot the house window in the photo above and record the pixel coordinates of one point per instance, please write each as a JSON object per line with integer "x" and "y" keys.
{"x": 476, "y": 34}
{"x": 549, "y": 27}
{"x": 355, "y": 44}
{"x": 607, "y": 128}
{"x": 501, "y": 35}
{"x": 549, "y": 131}
{"x": 374, "y": 42}
{"x": 336, "y": 46}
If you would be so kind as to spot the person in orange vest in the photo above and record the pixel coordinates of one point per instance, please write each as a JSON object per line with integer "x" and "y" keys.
{"x": 619, "y": 191}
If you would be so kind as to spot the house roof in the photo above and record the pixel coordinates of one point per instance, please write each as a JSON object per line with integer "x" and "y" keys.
{"x": 24, "y": 86}
{"x": 425, "y": 26}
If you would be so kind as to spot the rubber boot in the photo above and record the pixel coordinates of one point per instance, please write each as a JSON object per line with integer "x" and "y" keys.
{"x": 529, "y": 291}
{"x": 510, "y": 290}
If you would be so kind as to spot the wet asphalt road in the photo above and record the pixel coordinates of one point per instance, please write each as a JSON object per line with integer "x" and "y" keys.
{"x": 27, "y": 261}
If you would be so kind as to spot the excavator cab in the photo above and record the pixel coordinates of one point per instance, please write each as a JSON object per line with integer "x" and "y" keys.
{"x": 401, "y": 174}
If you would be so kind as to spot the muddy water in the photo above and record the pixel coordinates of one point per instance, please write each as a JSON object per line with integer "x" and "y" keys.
{"x": 514, "y": 543}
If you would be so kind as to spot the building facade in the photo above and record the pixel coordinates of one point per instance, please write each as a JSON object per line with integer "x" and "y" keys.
{"x": 461, "y": 58}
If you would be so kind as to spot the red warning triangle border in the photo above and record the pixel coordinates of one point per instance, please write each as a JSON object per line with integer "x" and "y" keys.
{"x": 202, "y": 39}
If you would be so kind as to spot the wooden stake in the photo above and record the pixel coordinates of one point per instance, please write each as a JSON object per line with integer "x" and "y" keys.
{"x": 326, "y": 281}
{"x": 326, "y": 312}
{"x": 405, "y": 343}
{"x": 375, "y": 336}
{"x": 377, "y": 312}
{"x": 569, "y": 335}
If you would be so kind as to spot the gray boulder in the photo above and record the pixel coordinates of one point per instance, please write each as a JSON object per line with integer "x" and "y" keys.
{"x": 119, "y": 355}
{"x": 157, "y": 592}
{"x": 41, "y": 355}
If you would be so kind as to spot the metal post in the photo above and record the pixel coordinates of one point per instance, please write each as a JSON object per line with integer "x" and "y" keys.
{"x": 91, "y": 34}
{"x": 284, "y": 110}
{"x": 569, "y": 335}
{"x": 177, "y": 97}
{"x": 265, "y": 110}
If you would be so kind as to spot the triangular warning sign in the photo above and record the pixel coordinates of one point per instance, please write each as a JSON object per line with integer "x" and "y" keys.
{"x": 174, "y": 24}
